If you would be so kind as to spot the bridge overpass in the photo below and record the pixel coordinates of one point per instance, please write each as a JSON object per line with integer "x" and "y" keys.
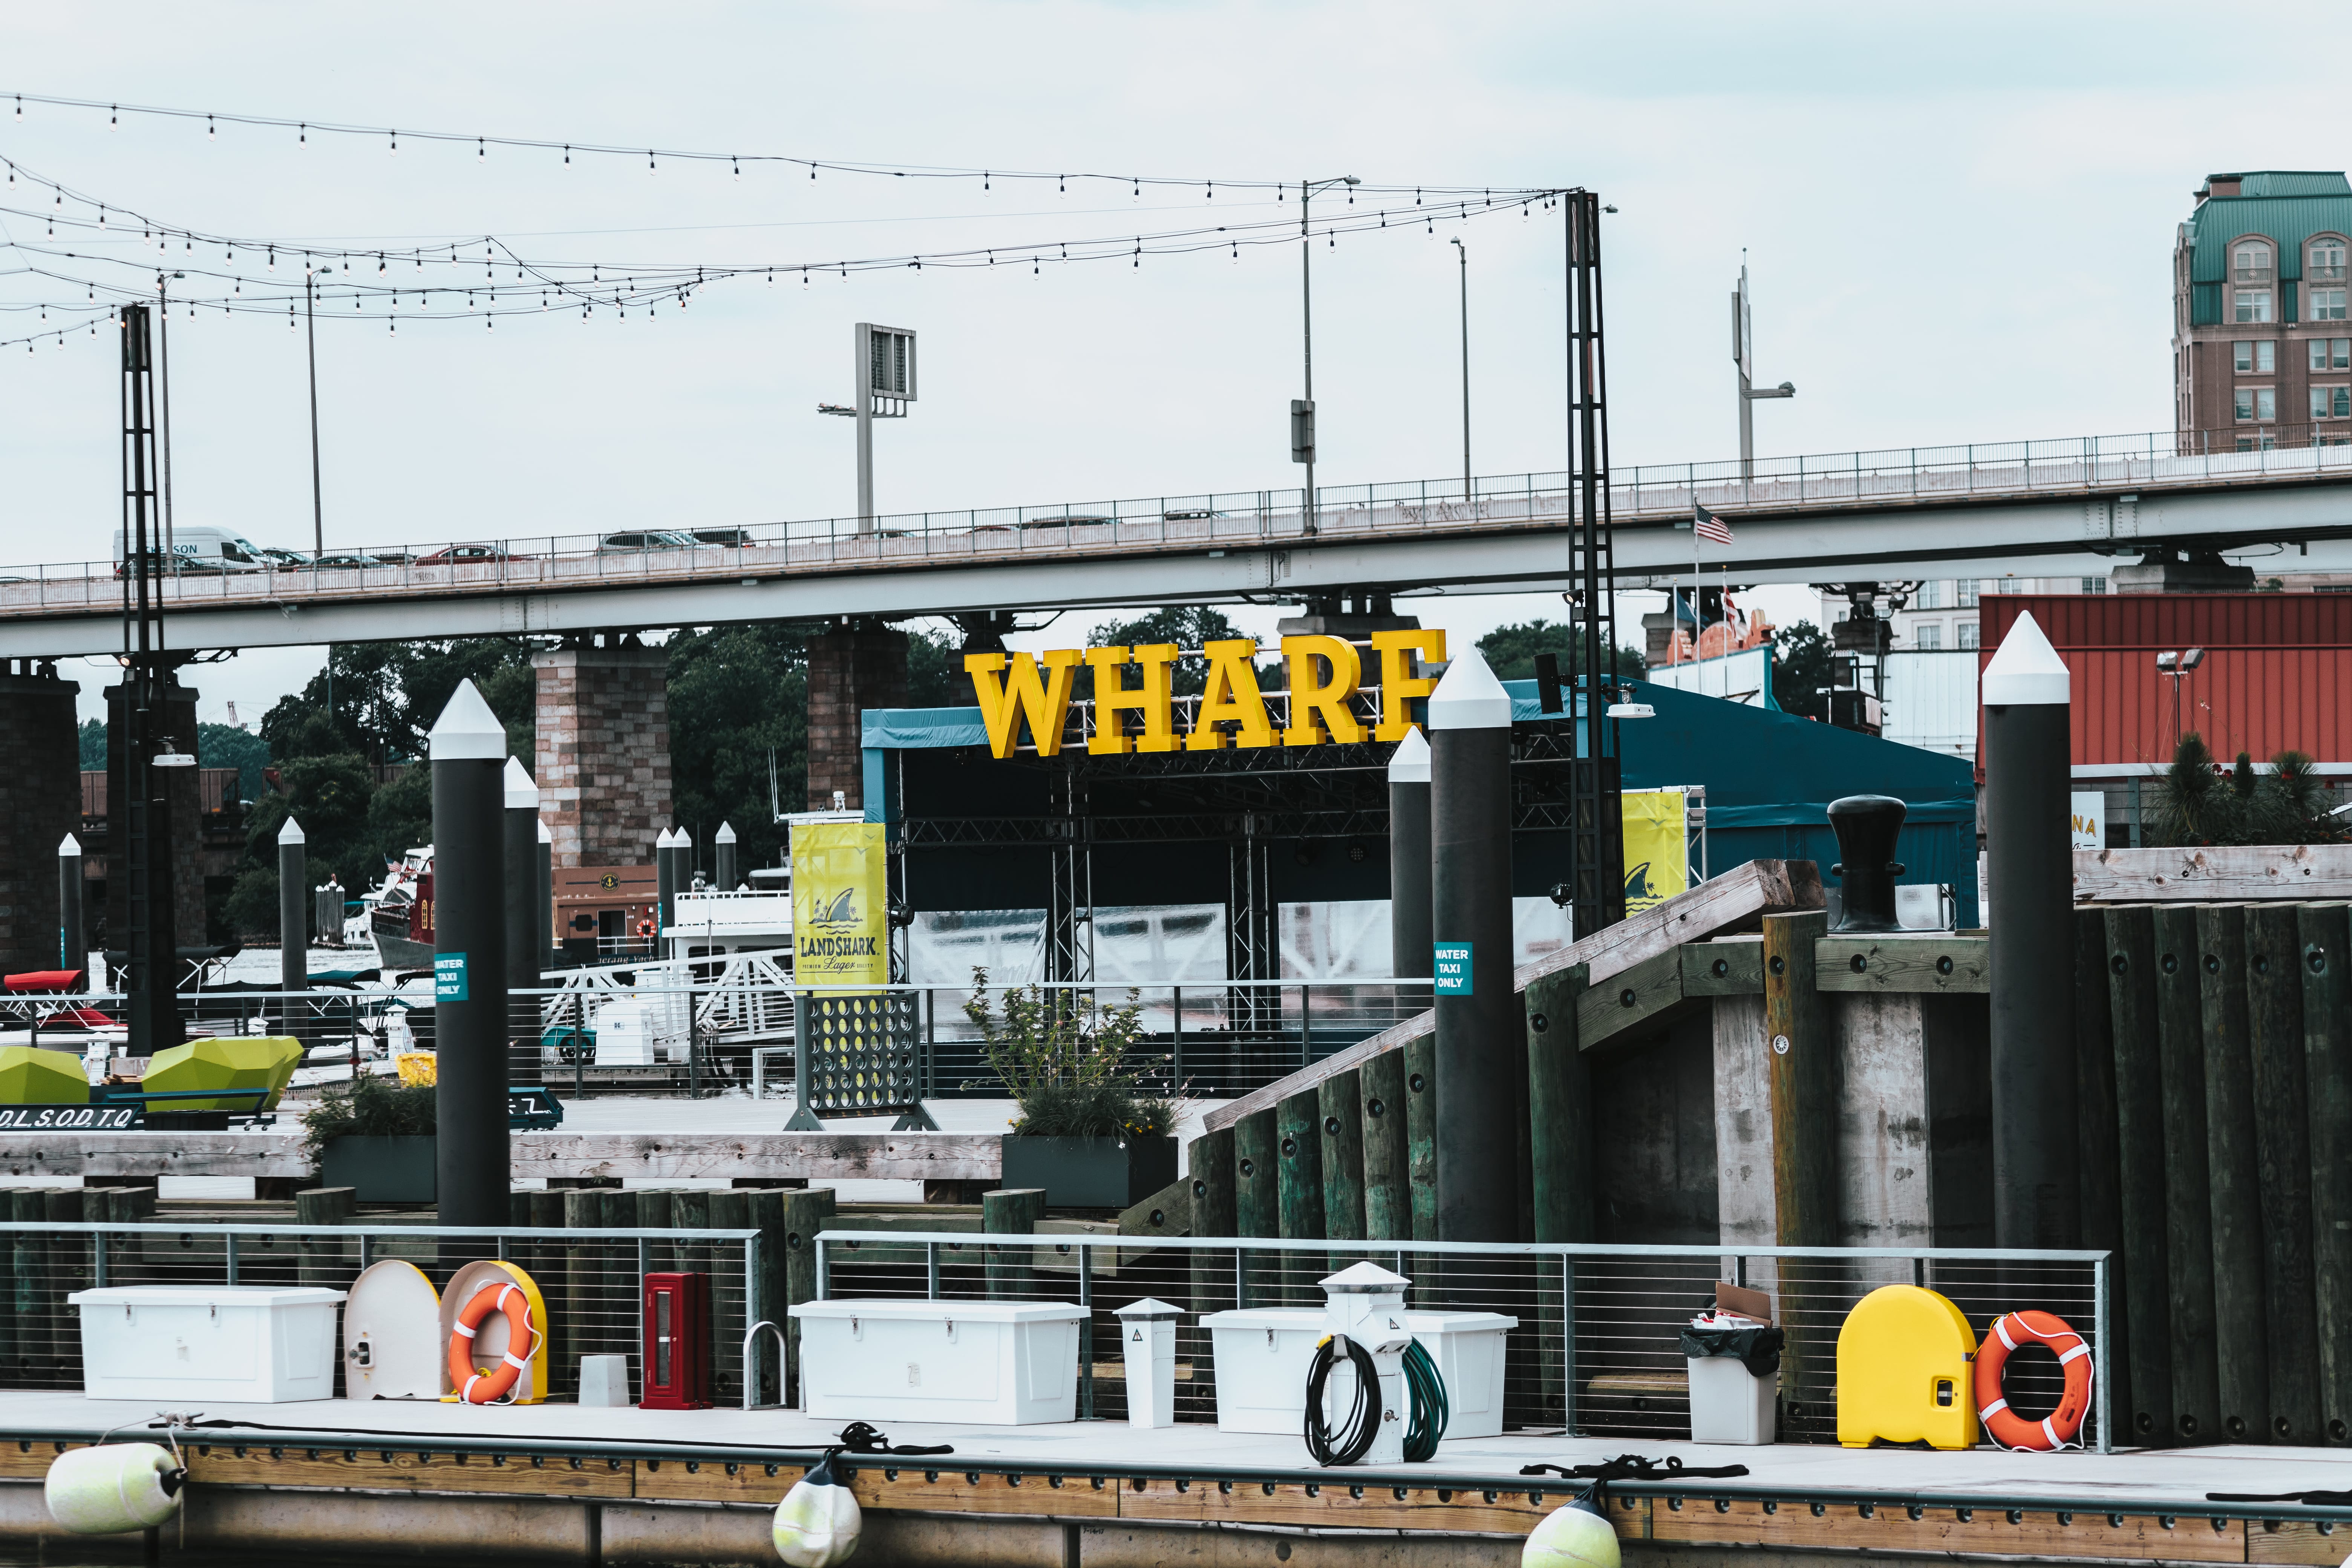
{"x": 2041, "y": 508}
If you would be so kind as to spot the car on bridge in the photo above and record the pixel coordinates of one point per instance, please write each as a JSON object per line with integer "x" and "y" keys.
{"x": 465, "y": 555}
{"x": 637, "y": 541}
{"x": 199, "y": 549}
{"x": 731, "y": 538}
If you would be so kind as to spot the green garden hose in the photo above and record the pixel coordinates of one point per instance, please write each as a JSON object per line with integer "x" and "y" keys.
{"x": 1429, "y": 1411}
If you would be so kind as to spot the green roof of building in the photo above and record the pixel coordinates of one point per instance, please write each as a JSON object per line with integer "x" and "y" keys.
{"x": 2286, "y": 207}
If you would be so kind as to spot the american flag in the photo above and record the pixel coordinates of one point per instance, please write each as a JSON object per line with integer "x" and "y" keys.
{"x": 1710, "y": 527}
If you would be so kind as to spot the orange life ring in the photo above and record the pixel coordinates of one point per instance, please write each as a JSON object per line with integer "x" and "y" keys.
{"x": 476, "y": 1387}
{"x": 2062, "y": 1426}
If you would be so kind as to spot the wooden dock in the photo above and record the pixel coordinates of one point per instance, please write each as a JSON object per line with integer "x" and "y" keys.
{"x": 334, "y": 1476}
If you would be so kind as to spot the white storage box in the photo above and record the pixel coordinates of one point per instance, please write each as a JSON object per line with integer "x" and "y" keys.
{"x": 1467, "y": 1348}
{"x": 1001, "y": 1364}
{"x": 1728, "y": 1403}
{"x": 262, "y": 1344}
{"x": 1263, "y": 1354}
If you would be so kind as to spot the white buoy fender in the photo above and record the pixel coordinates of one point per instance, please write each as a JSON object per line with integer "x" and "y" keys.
{"x": 113, "y": 1488}
{"x": 1576, "y": 1536}
{"x": 818, "y": 1522}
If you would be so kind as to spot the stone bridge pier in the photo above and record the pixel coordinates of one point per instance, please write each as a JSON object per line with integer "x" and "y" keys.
{"x": 40, "y": 803}
{"x": 601, "y": 756}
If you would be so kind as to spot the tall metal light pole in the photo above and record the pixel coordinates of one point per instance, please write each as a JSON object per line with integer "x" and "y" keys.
{"x": 1463, "y": 252}
{"x": 164, "y": 403}
{"x": 310, "y": 330}
{"x": 1302, "y": 410}
{"x": 883, "y": 372}
{"x": 1743, "y": 355}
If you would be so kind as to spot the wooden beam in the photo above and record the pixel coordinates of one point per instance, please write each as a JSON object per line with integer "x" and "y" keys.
{"x": 1928, "y": 963}
{"x": 1626, "y": 999}
{"x": 1803, "y": 1065}
{"x": 1733, "y": 901}
{"x": 2256, "y": 872}
{"x": 1727, "y": 966}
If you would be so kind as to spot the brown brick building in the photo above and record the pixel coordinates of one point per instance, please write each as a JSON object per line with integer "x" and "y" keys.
{"x": 2261, "y": 340}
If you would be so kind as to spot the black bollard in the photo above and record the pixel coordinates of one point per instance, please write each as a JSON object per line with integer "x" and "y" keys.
{"x": 469, "y": 960}
{"x": 545, "y": 862}
{"x": 521, "y": 887}
{"x": 722, "y": 852}
{"x": 1481, "y": 1086}
{"x": 73, "y": 936}
{"x": 293, "y": 922}
{"x": 1409, "y": 910}
{"x": 1867, "y": 826}
{"x": 2030, "y": 872}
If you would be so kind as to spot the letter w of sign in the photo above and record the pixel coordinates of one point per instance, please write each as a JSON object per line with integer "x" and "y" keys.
{"x": 1011, "y": 688}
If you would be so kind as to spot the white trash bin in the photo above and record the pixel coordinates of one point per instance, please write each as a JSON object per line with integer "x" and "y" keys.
{"x": 1263, "y": 1354}
{"x": 1467, "y": 1349}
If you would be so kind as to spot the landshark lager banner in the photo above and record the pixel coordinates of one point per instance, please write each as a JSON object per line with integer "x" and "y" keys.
{"x": 841, "y": 890}
{"x": 1657, "y": 854}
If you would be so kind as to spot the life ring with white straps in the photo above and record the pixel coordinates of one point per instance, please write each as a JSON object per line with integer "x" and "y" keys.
{"x": 475, "y": 1387}
{"x": 2062, "y": 1426}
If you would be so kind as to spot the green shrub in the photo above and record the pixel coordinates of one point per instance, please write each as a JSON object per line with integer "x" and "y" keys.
{"x": 370, "y": 1107}
{"x": 1063, "y": 1057}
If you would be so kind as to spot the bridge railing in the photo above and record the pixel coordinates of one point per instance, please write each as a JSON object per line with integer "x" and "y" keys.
{"x": 1650, "y": 493}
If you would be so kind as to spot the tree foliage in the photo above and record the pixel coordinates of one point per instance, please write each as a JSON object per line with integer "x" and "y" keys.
{"x": 1802, "y": 666}
{"x": 1189, "y": 627}
{"x": 378, "y": 701}
{"x": 226, "y": 746}
{"x": 93, "y": 745}
{"x": 738, "y": 694}
{"x": 1510, "y": 651}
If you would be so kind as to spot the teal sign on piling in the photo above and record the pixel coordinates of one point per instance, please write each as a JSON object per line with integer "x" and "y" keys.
{"x": 449, "y": 978}
{"x": 1452, "y": 968}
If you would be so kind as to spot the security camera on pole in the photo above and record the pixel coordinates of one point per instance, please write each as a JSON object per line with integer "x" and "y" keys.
{"x": 524, "y": 957}
{"x": 293, "y": 918}
{"x": 1479, "y": 1077}
{"x": 468, "y": 750}
{"x": 2029, "y": 867}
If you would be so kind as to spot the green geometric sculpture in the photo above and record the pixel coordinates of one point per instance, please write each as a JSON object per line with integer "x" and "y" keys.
{"x": 243, "y": 1061}
{"x": 29, "y": 1075}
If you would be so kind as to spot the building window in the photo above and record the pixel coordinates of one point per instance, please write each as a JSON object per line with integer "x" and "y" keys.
{"x": 1969, "y": 590}
{"x": 2327, "y": 305}
{"x": 2331, "y": 403}
{"x": 1931, "y": 639}
{"x": 1931, "y": 597}
{"x": 2257, "y": 402}
{"x": 2248, "y": 357}
{"x": 2253, "y": 305}
{"x": 2095, "y": 585}
{"x": 1968, "y": 634}
{"x": 2331, "y": 354}
{"x": 2252, "y": 264}
{"x": 2262, "y": 443}
{"x": 2326, "y": 259}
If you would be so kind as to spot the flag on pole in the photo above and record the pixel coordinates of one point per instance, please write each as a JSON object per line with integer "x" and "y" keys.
{"x": 1709, "y": 527}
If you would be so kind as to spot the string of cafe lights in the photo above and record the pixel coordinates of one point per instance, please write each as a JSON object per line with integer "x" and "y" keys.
{"x": 391, "y": 137}
{"x": 539, "y": 286}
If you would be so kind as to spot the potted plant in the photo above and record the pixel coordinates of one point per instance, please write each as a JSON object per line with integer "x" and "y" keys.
{"x": 1088, "y": 1133}
{"x": 375, "y": 1136}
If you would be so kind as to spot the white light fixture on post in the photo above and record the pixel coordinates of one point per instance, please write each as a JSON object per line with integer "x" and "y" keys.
{"x": 883, "y": 366}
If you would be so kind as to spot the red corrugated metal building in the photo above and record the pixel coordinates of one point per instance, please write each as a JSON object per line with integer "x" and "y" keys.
{"x": 2277, "y": 673}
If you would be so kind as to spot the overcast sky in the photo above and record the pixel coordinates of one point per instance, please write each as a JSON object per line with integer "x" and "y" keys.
{"x": 1957, "y": 224}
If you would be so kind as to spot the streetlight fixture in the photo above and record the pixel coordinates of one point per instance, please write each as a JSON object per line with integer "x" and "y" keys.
{"x": 2178, "y": 663}
{"x": 883, "y": 368}
{"x": 1302, "y": 409}
{"x": 1462, "y": 251}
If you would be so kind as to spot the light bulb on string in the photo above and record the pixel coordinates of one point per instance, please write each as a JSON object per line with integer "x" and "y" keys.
{"x": 985, "y": 185}
{"x": 209, "y": 135}
{"x": 738, "y": 165}
{"x": 111, "y": 123}
{"x": 567, "y": 154}
{"x": 649, "y": 160}
{"x": 102, "y": 217}
{"x": 481, "y": 150}
{"x": 395, "y": 143}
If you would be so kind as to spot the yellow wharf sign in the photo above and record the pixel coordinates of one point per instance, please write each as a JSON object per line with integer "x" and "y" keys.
{"x": 1325, "y": 675}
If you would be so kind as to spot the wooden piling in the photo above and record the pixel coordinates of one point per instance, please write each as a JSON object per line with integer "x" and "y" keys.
{"x": 29, "y": 1253}
{"x": 1257, "y": 1210}
{"x": 1339, "y": 1101}
{"x": 2326, "y": 951}
{"x": 1013, "y": 1210}
{"x": 2099, "y": 1155}
{"x": 1802, "y": 1081}
{"x": 2187, "y": 1159}
{"x": 764, "y": 1212}
{"x": 1209, "y": 1182}
{"x": 1420, "y": 1132}
{"x": 2234, "y": 1173}
{"x": 1559, "y": 1108}
{"x": 321, "y": 1258}
{"x": 2140, "y": 1174}
{"x": 729, "y": 1210}
{"x": 654, "y": 1213}
{"x": 1298, "y": 1164}
{"x": 1388, "y": 1158}
{"x": 806, "y": 1213}
{"x": 2282, "y": 1167}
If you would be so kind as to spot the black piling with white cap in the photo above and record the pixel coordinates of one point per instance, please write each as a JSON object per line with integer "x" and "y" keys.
{"x": 543, "y": 860}
{"x": 1480, "y": 1086}
{"x": 1408, "y": 871}
{"x": 468, "y": 748}
{"x": 293, "y": 918}
{"x": 2030, "y": 872}
{"x": 73, "y": 936}
{"x": 665, "y": 883}
{"x": 520, "y": 858}
{"x": 722, "y": 855}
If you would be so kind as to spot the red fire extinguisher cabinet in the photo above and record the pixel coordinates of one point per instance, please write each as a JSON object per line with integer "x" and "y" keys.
{"x": 677, "y": 1342}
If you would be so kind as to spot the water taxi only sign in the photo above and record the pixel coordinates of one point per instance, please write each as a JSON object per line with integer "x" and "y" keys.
{"x": 1452, "y": 968}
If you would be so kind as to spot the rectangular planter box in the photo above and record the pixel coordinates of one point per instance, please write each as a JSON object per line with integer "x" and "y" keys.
{"x": 262, "y": 1343}
{"x": 384, "y": 1170}
{"x": 997, "y": 1363}
{"x": 1090, "y": 1173}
